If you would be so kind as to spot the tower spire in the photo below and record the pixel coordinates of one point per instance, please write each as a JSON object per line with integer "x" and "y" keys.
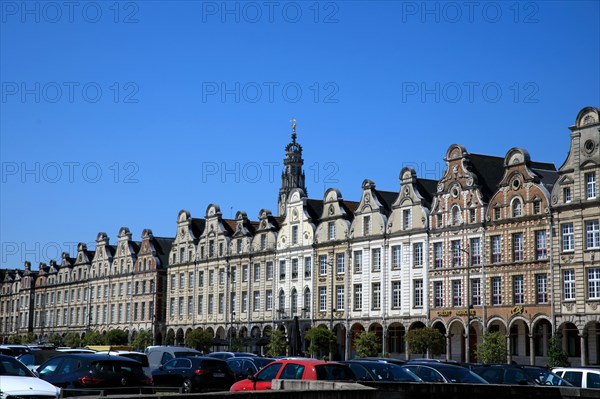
{"x": 292, "y": 176}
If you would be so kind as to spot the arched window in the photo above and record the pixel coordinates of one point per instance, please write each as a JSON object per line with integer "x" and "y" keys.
{"x": 456, "y": 219}
{"x": 281, "y": 301}
{"x": 307, "y": 301}
{"x": 294, "y": 301}
{"x": 517, "y": 208}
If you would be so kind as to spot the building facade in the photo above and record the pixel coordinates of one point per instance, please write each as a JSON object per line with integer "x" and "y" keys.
{"x": 498, "y": 243}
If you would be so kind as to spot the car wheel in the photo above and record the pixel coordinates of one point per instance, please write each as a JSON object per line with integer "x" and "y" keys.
{"x": 187, "y": 386}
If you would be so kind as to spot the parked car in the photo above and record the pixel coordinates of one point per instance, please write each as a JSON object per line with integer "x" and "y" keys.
{"x": 380, "y": 359}
{"x": 442, "y": 372}
{"x": 541, "y": 376}
{"x": 295, "y": 369}
{"x": 16, "y": 381}
{"x": 194, "y": 374}
{"x": 579, "y": 376}
{"x": 227, "y": 355}
{"x": 159, "y": 355}
{"x": 365, "y": 370}
{"x": 139, "y": 356}
{"x": 17, "y": 349}
{"x": 36, "y": 358}
{"x": 242, "y": 367}
{"x": 82, "y": 373}
{"x": 75, "y": 350}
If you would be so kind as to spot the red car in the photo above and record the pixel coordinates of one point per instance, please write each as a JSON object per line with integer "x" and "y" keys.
{"x": 295, "y": 369}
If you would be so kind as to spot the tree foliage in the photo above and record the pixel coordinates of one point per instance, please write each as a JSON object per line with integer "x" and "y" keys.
{"x": 277, "y": 343}
{"x": 72, "y": 340}
{"x": 493, "y": 348}
{"x": 367, "y": 344}
{"x": 322, "y": 341}
{"x": 427, "y": 341}
{"x": 29, "y": 338}
{"x": 93, "y": 338}
{"x": 142, "y": 339}
{"x": 15, "y": 339}
{"x": 199, "y": 339}
{"x": 170, "y": 338}
{"x": 236, "y": 344}
{"x": 556, "y": 356}
{"x": 55, "y": 339}
{"x": 116, "y": 336}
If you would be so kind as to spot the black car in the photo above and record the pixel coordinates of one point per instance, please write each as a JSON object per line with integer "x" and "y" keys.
{"x": 36, "y": 358}
{"x": 195, "y": 374}
{"x": 242, "y": 367}
{"x": 88, "y": 374}
{"x": 514, "y": 374}
{"x": 442, "y": 372}
{"x": 380, "y": 371}
{"x": 380, "y": 359}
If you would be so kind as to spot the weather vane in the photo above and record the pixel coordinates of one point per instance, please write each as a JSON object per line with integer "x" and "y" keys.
{"x": 293, "y": 121}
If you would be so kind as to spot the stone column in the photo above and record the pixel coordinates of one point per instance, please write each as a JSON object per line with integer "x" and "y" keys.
{"x": 467, "y": 356}
{"x": 531, "y": 350}
{"x": 448, "y": 346}
{"x": 348, "y": 343}
{"x": 509, "y": 351}
{"x": 582, "y": 345}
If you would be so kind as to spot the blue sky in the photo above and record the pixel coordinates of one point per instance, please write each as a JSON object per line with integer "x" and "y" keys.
{"x": 122, "y": 114}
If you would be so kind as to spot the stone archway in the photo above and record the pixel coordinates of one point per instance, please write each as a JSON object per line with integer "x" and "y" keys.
{"x": 356, "y": 329}
{"x": 591, "y": 332}
{"x": 378, "y": 330}
{"x": 542, "y": 332}
{"x": 569, "y": 334}
{"x": 395, "y": 339}
{"x": 179, "y": 337}
{"x": 457, "y": 347}
{"x": 439, "y": 325}
{"x": 340, "y": 332}
{"x": 518, "y": 340}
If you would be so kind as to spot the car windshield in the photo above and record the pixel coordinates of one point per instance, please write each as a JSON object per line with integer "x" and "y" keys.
{"x": 186, "y": 354}
{"x": 543, "y": 377}
{"x": 461, "y": 375}
{"x": 261, "y": 362}
{"x": 138, "y": 357}
{"x": 12, "y": 367}
{"x": 391, "y": 372}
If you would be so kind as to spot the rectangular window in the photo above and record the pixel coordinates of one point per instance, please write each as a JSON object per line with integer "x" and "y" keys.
{"x": 244, "y": 302}
{"x": 245, "y": 273}
{"x": 295, "y": 268}
{"x": 456, "y": 253}
{"x": 396, "y": 294}
{"x": 201, "y": 279}
{"x": 541, "y": 288}
{"x": 472, "y": 216}
{"x": 294, "y": 234}
{"x": 518, "y": 290}
{"x": 376, "y": 259}
{"x": 256, "y": 303}
{"x": 121, "y": 291}
{"x": 569, "y": 285}
{"x": 590, "y": 185}
{"x": 496, "y": 244}
{"x": 568, "y": 239}
{"x": 339, "y": 300}
{"x": 221, "y": 303}
{"x": 475, "y": 251}
{"x": 307, "y": 266}
{"x": 190, "y": 305}
{"x": 257, "y": 272}
{"x": 263, "y": 242}
{"x": 211, "y": 248}
{"x": 457, "y": 293}
{"x": 366, "y": 225}
{"x": 376, "y": 293}
{"x": 233, "y": 302}
{"x": 438, "y": 253}
{"x": 418, "y": 293}
{"x": 496, "y": 283}
{"x": 418, "y": 254}
{"x": 221, "y": 276}
{"x": 476, "y": 292}
{"x": 200, "y": 303}
{"x": 211, "y": 278}
{"x": 322, "y": 299}
{"x": 396, "y": 256}
{"x": 593, "y": 283}
{"x": 357, "y": 261}
{"x": 269, "y": 304}
{"x": 179, "y": 307}
{"x": 496, "y": 213}
{"x": 406, "y": 219}
{"x": 357, "y": 296}
{"x": 517, "y": 240}
{"x": 210, "y": 303}
{"x": 438, "y": 294}
{"x": 269, "y": 271}
{"x": 540, "y": 245}
{"x": 592, "y": 234}
{"x": 567, "y": 194}
{"x": 239, "y": 246}
{"x": 191, "y": 280}
{"x": 331, "y": 228}
{"x": 322, "y": 265}
{"x": 537, "y": 207}
{"x": 340, "y": 263}
{"x": 282, "y": 270}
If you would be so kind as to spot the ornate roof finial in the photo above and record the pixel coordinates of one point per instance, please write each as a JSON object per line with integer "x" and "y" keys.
{"x": 293, "y": 121}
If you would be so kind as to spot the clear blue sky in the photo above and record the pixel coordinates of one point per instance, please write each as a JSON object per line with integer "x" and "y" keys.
{"x": 122, "y": 114}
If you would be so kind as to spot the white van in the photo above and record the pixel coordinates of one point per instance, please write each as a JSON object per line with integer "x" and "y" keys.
{"x": 580, "y": 376}
{"x": 159, "y": 355}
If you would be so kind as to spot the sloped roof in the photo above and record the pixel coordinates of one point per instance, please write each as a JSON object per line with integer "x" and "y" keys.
{"x": 489, "y": 171}
{"x": 198, "y": 225}
{"x": 315, "y": 209}
{"x": 427, "y": 188}
{"x": 163, "y": 248}
{"x": 387, "y": 198}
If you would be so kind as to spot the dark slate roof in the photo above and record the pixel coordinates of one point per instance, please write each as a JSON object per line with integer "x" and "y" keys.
{"x": 163, "y": 245}
{"x": 111, "y": 249}
{"x": 542, "y": 165}
{"x": 489, "y": 171}
{"x": 230, "y": 225}
{"x": 387, "y": 198}
{"x": 547, "y": 177}
{"x": 315, "y": 209}
{"x": 136, "y": 245}
{"x": 90, "y": 254}
{"x": 198, "y": 227}
{"x": 350, "y": 207}
{"x": 427, "y": 188}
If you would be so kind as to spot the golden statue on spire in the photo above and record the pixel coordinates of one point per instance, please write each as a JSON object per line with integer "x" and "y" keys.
{"x": 293, "y": 121}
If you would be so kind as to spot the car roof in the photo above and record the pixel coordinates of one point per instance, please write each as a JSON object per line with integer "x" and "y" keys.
{"x": 585, "y": 368}
{"x": 96, "y": 357}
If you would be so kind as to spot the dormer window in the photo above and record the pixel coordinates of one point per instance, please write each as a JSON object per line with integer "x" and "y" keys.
{"x": 472, "y": 216}
{"x": 497, "y": 213}
{"x": 517, "y": 208}
{"x": 456, "y": 219}
{"x": 366, "y": 225}
{"x": 406, "y": 219}
{"x": 294, "y": 234}
{"x": 331, "y": 229}
{"x": 590, "y": 185}
{"x": 567, "y": 194}
{"x": 239, "y": 246}
{"x": 537, "y": 207}
{"x": 263, "y": 241}
{"x": 181, "y": 254}
{"x": 211, "y": 248}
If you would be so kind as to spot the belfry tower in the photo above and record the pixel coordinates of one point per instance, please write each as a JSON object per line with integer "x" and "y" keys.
{"x": 292, "y": 176}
